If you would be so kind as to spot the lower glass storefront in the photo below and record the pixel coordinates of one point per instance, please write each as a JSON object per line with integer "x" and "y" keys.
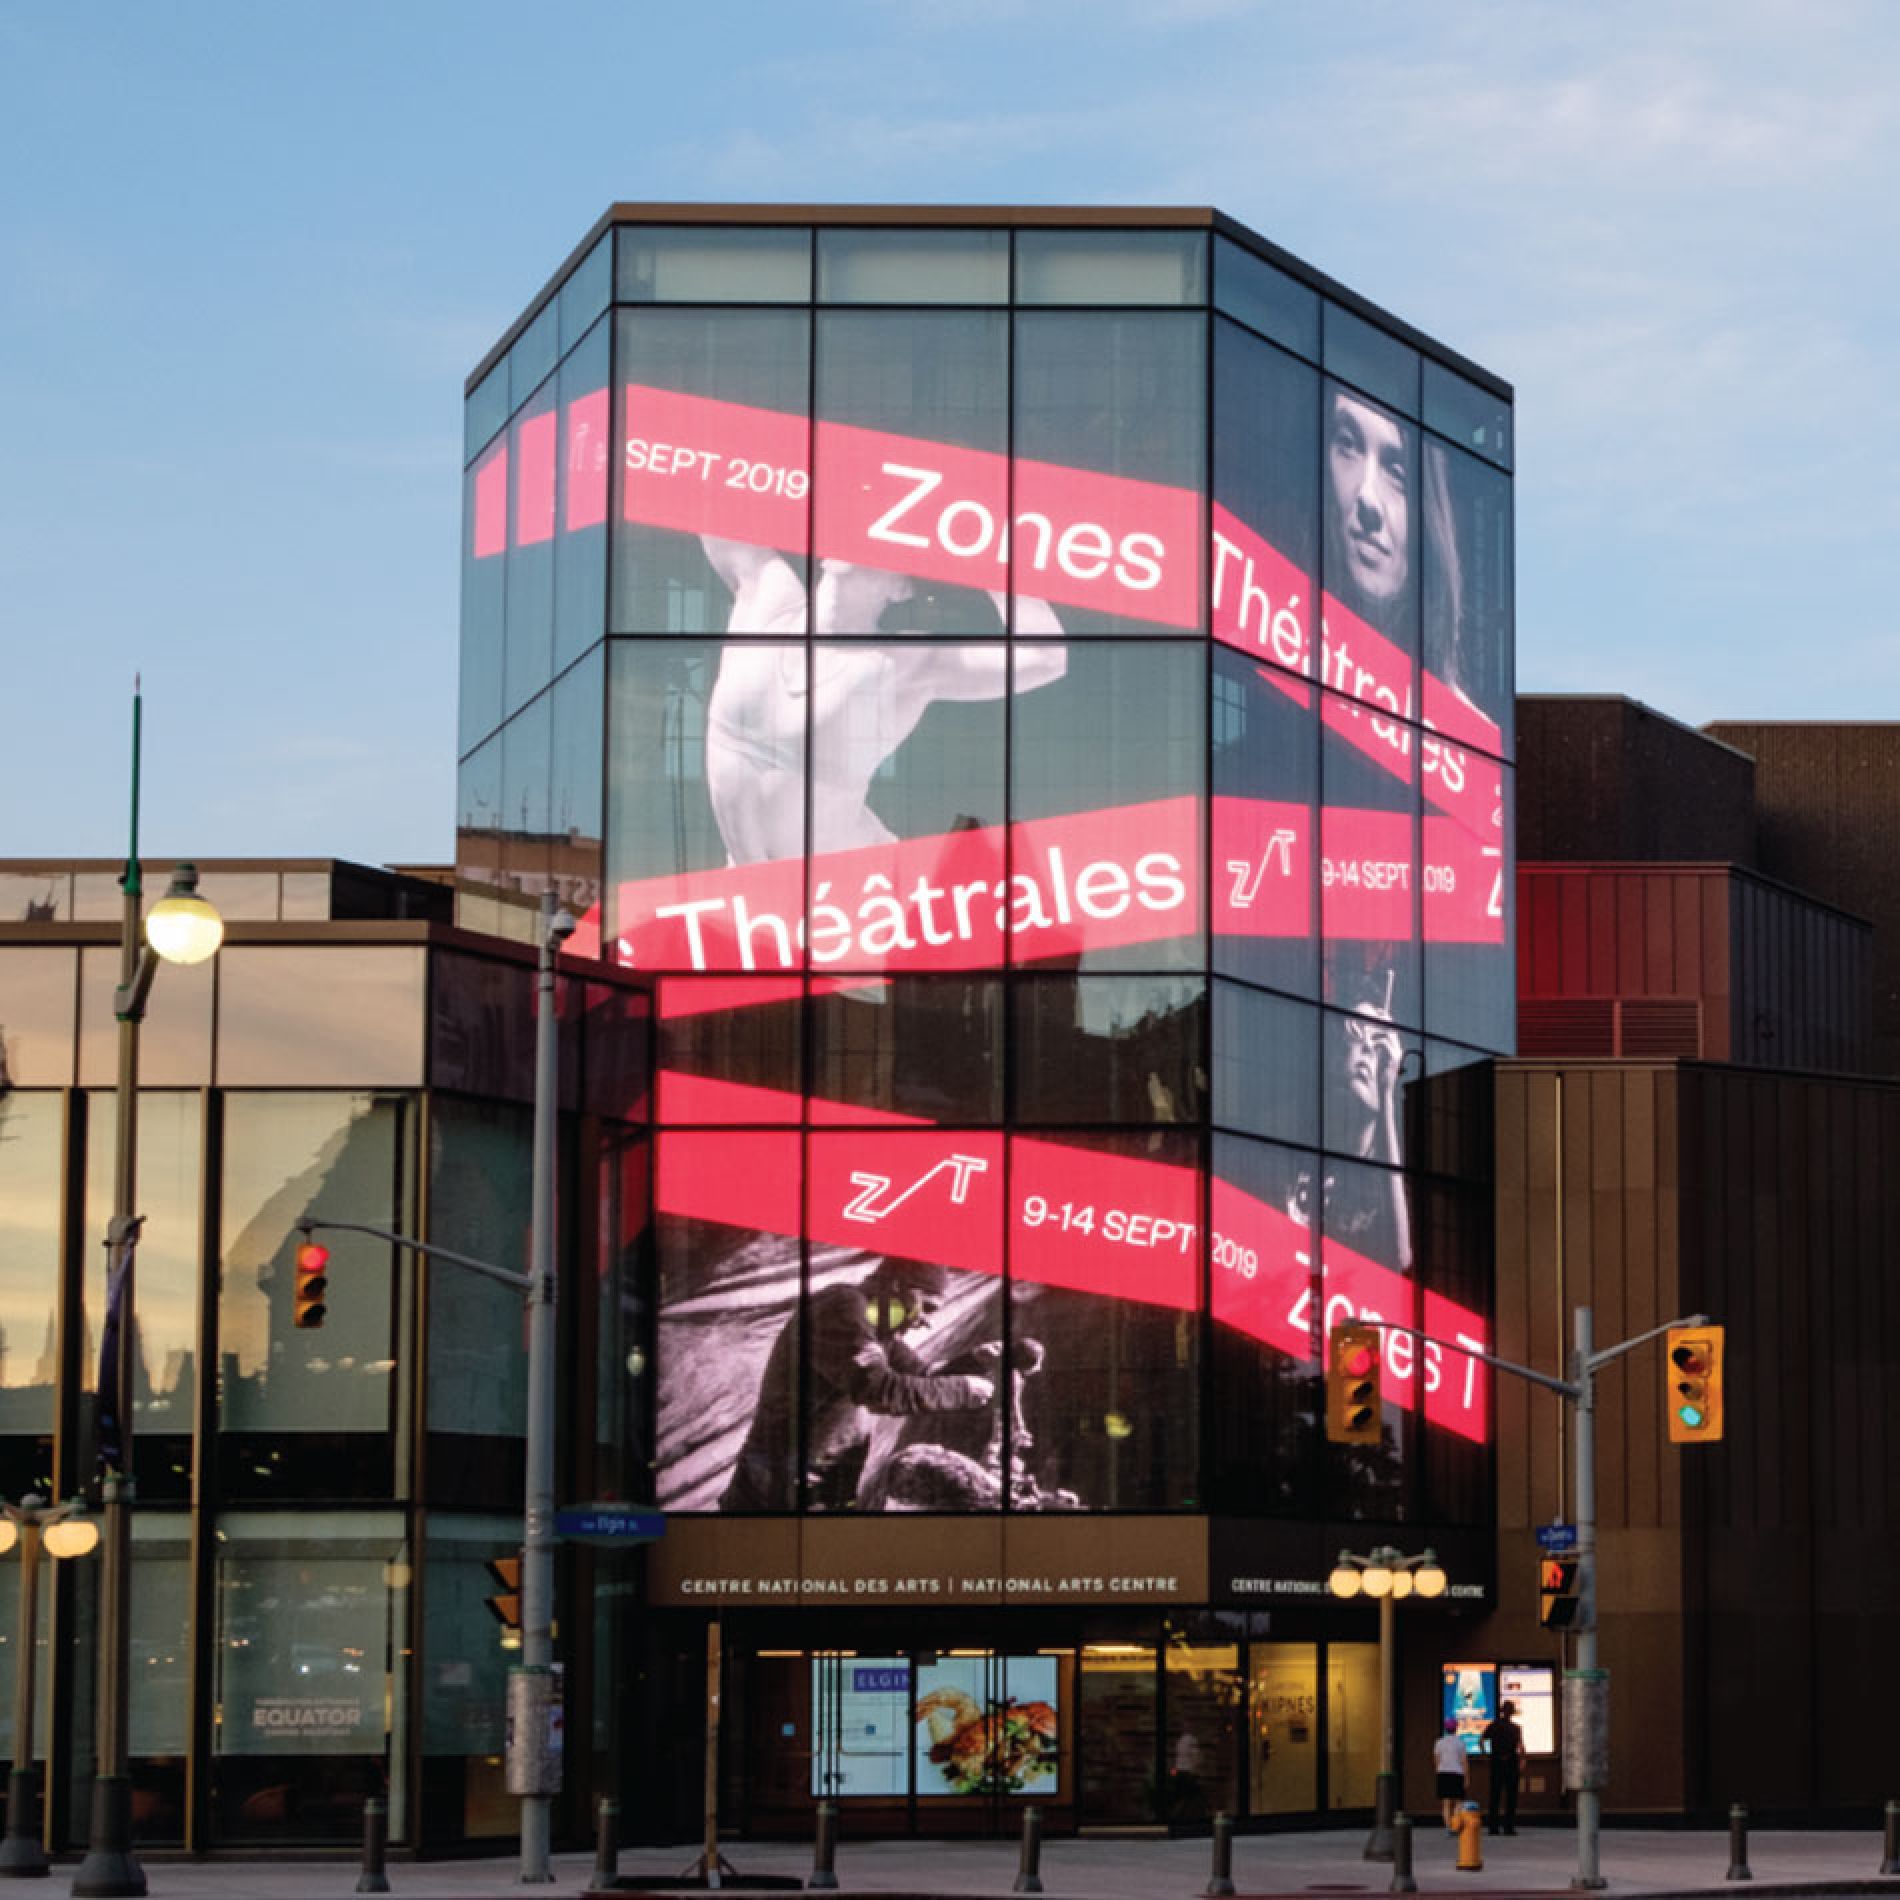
{"x": 1128, "y": 1721}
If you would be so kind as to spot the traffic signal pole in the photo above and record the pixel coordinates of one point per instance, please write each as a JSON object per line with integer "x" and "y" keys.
{"x": 1586, "y": 1698}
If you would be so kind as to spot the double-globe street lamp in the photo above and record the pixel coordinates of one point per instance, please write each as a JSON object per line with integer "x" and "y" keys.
{"x": 182, "y": 928}
{"x": 1388, "y": 1577}
{"x": 61, "y": 1531}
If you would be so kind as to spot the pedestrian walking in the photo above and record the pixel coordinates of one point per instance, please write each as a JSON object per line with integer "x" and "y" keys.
{"x": 1448, "y": 1759}
{"x": 1505, "y": 1742}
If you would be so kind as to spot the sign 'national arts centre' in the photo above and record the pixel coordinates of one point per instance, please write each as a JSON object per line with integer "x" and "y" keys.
{"x": 1033, "y": 692}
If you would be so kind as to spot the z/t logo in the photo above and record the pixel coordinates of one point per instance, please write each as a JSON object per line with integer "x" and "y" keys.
{"x": 868, "y": 1206}
{"x": 1247, "y": 876}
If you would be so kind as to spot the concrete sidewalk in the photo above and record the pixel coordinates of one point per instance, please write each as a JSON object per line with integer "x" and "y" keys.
{"x": 1636, "y": 1861}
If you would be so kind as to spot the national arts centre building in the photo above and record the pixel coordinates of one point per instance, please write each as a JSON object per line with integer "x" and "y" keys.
{"x": 1031, "y": 691}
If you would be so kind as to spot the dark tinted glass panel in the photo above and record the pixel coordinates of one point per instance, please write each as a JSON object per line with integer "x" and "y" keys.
{"x": 580, "y": 532}
{"x": 320, "y": 1017}
{"x": 587, "y": 290}
{"x": 343, "y": 1157}
{"x": 1469, "y": 687}
{"x": 1470, "y": 950}
{"x": 484, "y": 579}
{"x": 1264, "y": 560}
{"x": 1449, "y": 1118}
{"x": 485, "y": 409}
{"x": 1266, "y": 1063}
{"x": 1369, "y": 871}
{"x": 902, "y": 1348}
{"x": 1472, "y": 417}
{"x": 1092, "y": 267}
{"x": 1366, "y": 1067}
{"x": 1110, "y": 446}
{"x": 32, "y": 1166}
{"x": 712, "y": 265}
{"x": 481, "y": 1032}
{"x": 1265, "y": 735}
{"x": 1106, "y": 780}
{"x": 534, "y": 354}
{"x": 1108, "y": 1048}
{"x": 913, "y": 266}
{"x": 925, "y": 1046}
{"x": 1105, "y": 1289}
{"x": 1265, "y": 1432}
{"x": 1266, "y": 299}
{"x": 527, "y": 767}
{"x": 712, "y": 483}
{"x": 479, "y": 1201}
{"x": 729, "y": 1261}
{"x": 729, "y": 1050}
{"x": 528, "y": 621}
{"x": 38, "y": 1004}
{"x": 1455, "y": 1262}
{"x": 623, "y": 1323}
{"x": 1371, "y": 358}
{"x": 575, "y": 792}
{"x": 912, "y": 502}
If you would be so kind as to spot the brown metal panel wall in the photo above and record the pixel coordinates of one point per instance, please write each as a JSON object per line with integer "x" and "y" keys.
{"x": 1805, "y": 995}
{"x": 1829, "y": 804}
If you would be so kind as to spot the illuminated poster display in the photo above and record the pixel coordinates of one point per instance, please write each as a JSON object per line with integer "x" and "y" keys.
{"x": 988, "y": 1725}
{"x": 1471, "y": 1701}
{"x": 942, "y": 681}
{"x": 861, "y": 1709}
{"x": 1532, "y": 1687}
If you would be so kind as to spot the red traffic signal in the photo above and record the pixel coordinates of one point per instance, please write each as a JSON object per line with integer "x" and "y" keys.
{"x": 1352, "y": 1386}
{"x": 310, "y": 1300}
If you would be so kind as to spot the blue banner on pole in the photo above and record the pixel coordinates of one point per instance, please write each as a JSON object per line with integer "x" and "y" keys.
{"x": 113, "y": 1388}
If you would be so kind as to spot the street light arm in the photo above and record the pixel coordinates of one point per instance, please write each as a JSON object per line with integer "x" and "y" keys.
{"x": 519, "y": 1281}
{"x": 1568, "y": 1387}
{"x": 129, "y": 999}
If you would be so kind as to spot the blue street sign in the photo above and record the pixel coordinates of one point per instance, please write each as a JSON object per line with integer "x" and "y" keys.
{"x": 610, "y": 1524}
{"x": 1557, "y": 1536}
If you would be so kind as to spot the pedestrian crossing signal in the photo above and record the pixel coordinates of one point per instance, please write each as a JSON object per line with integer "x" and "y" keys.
{"x": 1560, "y": 1592}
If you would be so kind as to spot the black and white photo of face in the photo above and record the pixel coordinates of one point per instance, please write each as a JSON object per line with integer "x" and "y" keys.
{"x": 1369, "y": 482}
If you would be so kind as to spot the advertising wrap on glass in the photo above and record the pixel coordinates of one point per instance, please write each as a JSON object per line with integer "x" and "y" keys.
{"x": 941, "y": 714}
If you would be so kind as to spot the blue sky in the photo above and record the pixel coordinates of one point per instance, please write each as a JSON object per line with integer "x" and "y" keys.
{"x": 248, "y": 253}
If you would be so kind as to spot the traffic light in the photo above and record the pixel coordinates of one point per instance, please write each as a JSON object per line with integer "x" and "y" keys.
{"x": 1693, "y": 1370}
{"x": 505, "y": 1606}
{"x": 1352, "y": 1386}
{"x": 1560, "y": 1592}
{"x": 310, "y": 1301}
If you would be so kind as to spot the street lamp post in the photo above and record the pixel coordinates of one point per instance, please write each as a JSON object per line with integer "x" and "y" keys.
{"x": 61, "y": 1531}
{"x": 184, "y": 929}
{"x": 1388, "y": 1577}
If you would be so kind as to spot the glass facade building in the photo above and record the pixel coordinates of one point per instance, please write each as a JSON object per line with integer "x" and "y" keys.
{"x": 1032, "y": 692}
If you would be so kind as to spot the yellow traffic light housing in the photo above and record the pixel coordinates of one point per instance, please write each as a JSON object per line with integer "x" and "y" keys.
{"x": 1352, "y": 1386}
{"x": 310, "y": 1301}
{"x": 1693, "y": 1384}
{"x": 505, "y": 1605}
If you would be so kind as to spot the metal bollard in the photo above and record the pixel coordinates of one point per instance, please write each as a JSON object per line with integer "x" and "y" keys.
{"x": 1402, "y": 1881}
{"x": 1890, "y": 1848}
{"x": 1029, "y": 1870}
{"x": 1738, "y": 1843}
{"x": 1221, "y": 1881}
{"x": 606, "y": 1844}
{"x": 375, "y": 1847}
{"x": 824, "y": 1849}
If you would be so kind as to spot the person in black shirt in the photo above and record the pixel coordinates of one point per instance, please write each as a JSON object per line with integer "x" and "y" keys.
{"x": 1504, "y": 1742}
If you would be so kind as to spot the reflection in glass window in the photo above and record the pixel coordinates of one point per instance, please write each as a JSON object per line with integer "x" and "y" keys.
{"x": 1469, "y": 415}
{"x": 1115, "y": 267}
{"x": 1374, "y": 359}
{"x": 928, "y": 1046}
{"x": 38, "y": 999}
{"x": 527, "y": 770}
{"x": 574, "y": 827}
{"x": 1469, "y": 636}
{"x": 314, "y": 1017}
{"x": 712, "y": 484}
{"x": 712, "y": 264}
{"x": 727, "y": 1053}
{"x": 463, "y": 1680}
{"x": 479, "y": 1203}
{"x": 528, "y": 611}
{"x": 1366, "y": 1065}
{"x": 311, "y": 1615}
{"x": 484, "y": 592}
{"x": 1266, "y": 299}
{"x": 32, "y": 1142}
{"x": 533, "y": 354}
{"x": 342, "y": 1156}
{"x": 1109, "y": 1048}
{"x": 1266, "y": 1063}
{"x": 580, "y": 531}
{"x": 170, "y": 1165}
{"x": 913, "y": 267}
{"x": 478, "y": 817}
{"x": 175, "y": 1040}
{"x": 586, "y": 293}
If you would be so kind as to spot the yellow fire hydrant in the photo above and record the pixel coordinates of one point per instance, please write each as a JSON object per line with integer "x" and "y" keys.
{"x": 1469, "y": 1827}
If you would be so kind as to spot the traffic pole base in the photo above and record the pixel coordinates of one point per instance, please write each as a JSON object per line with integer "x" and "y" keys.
{"x": 109, "y": 1871}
